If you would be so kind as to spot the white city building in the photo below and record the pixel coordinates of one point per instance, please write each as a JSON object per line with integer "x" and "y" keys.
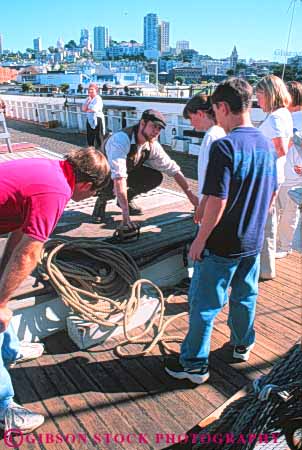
{"x": 215, "y": 66}
{"x": 182, "y": 45}
{"x": 125, "y": 49}
{"x": 164, "y": 36}
{"x": 59, "y": 78}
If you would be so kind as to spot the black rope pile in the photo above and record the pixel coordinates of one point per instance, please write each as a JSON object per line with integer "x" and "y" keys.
{"x": 277, "y": 398}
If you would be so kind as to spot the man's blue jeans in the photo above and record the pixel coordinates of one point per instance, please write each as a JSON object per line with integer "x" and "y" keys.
{"x": 9, "y": 348}
{"x": 208, "y": 293}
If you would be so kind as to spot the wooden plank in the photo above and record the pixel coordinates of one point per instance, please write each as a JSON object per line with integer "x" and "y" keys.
{"x": 27, "y": 395}
{"x": 74, "y": 388}
{"x": 280, "y": 307}
{"x": 49, "y": 388}
{"x": 149, "y": 371}
{"x": 122, "y": 411}
{"x": 176, "y": 401}
{"x": 56, "y": 410}
{"x": 150, "y": 404}
{"x": 288, "y": 294}
{"x": 215, "y": 415}
{"x": 273, "y": 348}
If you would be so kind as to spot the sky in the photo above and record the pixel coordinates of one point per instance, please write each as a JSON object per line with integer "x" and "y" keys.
{"x": 256, "y": 27}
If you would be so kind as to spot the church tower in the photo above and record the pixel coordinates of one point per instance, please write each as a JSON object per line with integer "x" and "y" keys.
{"x": 234, "y": 59}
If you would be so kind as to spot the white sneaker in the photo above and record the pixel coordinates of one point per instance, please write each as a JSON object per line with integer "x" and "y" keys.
{"x": 27, "y": 352}
{"x": 242, "y": 352}
{"x": 266, "y": 276}
{"x": 281, "y": 254}
{"x": 18, "y": 418}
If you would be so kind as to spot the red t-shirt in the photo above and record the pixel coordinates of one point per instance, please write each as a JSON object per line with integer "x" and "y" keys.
{"x": 33, "y": 195}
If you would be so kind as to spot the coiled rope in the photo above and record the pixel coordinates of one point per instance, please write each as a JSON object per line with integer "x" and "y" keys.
{"x": 156, "y": 324}
{"x": 263, "y": 410}
{"x": 100, "y": 282}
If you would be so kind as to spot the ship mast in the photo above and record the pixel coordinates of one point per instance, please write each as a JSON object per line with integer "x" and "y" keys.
{"x": 293, "y": 4}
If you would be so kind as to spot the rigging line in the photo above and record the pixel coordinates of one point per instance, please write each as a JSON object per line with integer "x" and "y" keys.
{"x": 288, "y": 37}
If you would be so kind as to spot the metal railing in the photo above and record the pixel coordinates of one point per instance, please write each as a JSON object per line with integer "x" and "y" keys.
{"x": 53, "y": 112}
{"x": 70, "y": 116}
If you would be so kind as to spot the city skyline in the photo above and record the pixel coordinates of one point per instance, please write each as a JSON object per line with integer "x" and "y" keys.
{"x": 257, "y": 29}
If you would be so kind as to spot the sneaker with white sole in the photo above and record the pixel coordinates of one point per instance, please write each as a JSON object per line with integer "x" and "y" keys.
{"x": 27, "y": 352}
{"x": 18, "y": 418}
{"x": 266, "y": 277}
{"x": 280, "y": 255}
{"x": 242, "y": 352}
{"x": 176, "y": 370}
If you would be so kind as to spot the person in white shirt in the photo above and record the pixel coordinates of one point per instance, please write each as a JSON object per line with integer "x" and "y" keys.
{"x": 274, "y": 99}
{"x": 201, "y": 115}
{"x": 93, "y": 107}
{"x": 136, "y": 160}
{"x": 288, "y": 210}
{"x": 2, "y": 105}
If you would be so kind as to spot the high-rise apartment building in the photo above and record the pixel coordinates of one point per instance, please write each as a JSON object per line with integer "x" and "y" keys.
{"x": 1, "y": 44}
{"x": 164, "y": 36}
{"x": 85, "y": 39}
{"x": 100, "y": 41}
{"x": 37, "y": 43}
{"x": 60, "y": 44}
{"x": 182, "y": 45}
{"x": 151, "y": 36}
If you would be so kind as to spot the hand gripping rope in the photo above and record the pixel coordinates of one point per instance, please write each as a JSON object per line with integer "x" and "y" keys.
{"x": 125, "y": 233}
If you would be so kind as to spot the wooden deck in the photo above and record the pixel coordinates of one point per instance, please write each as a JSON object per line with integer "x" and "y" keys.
{"x": 96, "y": 394}
{"x": 92, "y": 399}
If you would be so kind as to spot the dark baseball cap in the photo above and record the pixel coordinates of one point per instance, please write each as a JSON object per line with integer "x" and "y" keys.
{"x": 154, "y": 116}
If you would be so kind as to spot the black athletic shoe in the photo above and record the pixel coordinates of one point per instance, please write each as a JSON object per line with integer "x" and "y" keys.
{"x": 134, "y": 209}
{"x": 176, "y": 370}
{"x": 99, "y": 215}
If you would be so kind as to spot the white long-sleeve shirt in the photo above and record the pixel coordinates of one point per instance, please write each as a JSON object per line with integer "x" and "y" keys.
{"x": 118, "y": 146}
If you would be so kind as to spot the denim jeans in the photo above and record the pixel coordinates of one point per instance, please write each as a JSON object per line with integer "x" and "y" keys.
{"x": 208, "y": 293}
{"x": 9, "y": 348}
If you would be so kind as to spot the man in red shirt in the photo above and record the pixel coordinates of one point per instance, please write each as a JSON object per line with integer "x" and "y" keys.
{"x": 33, "y": 195}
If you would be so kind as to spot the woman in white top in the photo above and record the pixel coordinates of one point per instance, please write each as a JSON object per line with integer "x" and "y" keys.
{"x": 288, "y": 210}
{"x": 274, "y": 99}
{"x": 201, "y": 115}
{"x": 93, "y": 106}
